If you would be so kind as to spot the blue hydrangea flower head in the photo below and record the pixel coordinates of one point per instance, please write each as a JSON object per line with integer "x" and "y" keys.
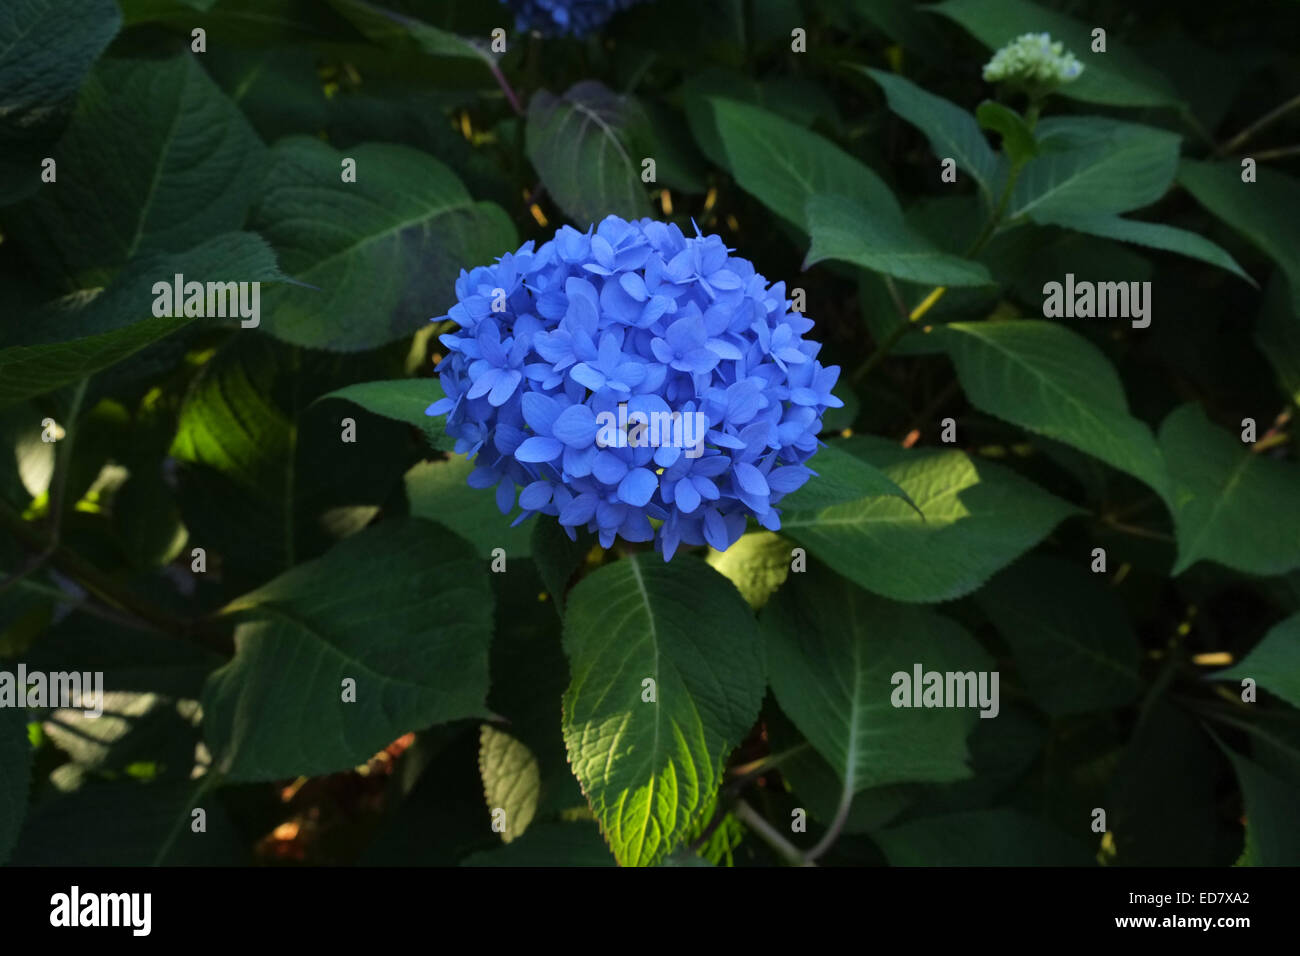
{"x": 635, "y": 382}
{"x": 566, "y": 17}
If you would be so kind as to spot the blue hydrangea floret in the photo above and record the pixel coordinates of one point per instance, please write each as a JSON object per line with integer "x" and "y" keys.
{"x": 634, "y": 382}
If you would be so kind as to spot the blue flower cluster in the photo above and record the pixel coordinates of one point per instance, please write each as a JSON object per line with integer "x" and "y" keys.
{"x": 622, "y": 324}
{"x": 560, "y": 17}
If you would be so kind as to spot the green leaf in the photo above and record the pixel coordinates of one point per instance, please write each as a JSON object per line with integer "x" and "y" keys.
{"x": 1262, "y": 211}
{"x": 978, "y": 518}
{"x": 160, "y": 153}
{"x": 1155, "y": 235}
{"x": 124, "y": 823}
{"x": 1219, "y": 488}
{"x": 834, "y": 653}
{"x": 1274, "y": 662}
{"x": 650, "y": 769}
{"x": 841, "y": 476}
{"x": 1070, "y": 636}
{"x": 999, "y": 837}
{"x": 511, "y": 780}
{"x": 1277, "y": 333}
{"x": 48, "y": 47}
{"x": 1017, "y": 138}
{"x": 69, "y": 340}
{"x": 250, "y": 444}
{"x": 1091, "y": 166}
{"x": 845, "y": 230}
{"x": 953, "y": 132}
{"x": 381, "y": 254}
{"x": 580, "y": 144}
{"x": 15, "y": 775}
{"x": 403, "y": 400}
{"x": 438, "y": 491}
{"x": 756, "y": 564}
{"x": 1272, "y": 828}
{"x": 393, "y": 29}
{"x": 403, "y": 609}
{"x": 1118, "y": 77}
{"x": 783, "y": 164}
{"x": 1053, "y": 382}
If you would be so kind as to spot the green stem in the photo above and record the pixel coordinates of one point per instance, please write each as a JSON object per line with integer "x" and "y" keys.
{"x": 769, "y": 834}
{"x": 1269, "y": 117}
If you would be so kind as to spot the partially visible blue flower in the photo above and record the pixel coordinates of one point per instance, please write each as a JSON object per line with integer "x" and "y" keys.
{"x": 630, "y": 323}
{"x": 560, "y": 17}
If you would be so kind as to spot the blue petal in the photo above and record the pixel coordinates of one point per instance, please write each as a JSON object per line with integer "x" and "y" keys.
{"x": 638, "y": 487}
{"x": 539, "y": 449}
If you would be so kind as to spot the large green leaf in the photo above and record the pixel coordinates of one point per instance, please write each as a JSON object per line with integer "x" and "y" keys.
{"x": 15, "y": 775}
{"x": 69, "y": 339}
{"x": 437, "y": 490}
{"x": 1053, "y": 382}
{"x": 381, "y": 254}
{"x": 46, "y": 48}
{"x": 1262, "y": 211}
{"x": 833, "y": 651}
{"x": 1220, "y": 488}
{"x": 251, "y": 444}
{"x": 1118, "y": 77}
{"x": 841, "y": 476}
{"x": 953, "y": 132}
{"x": 1070, "y": 636}
{"x": 1274, "y": 662}
{"x": 403, "y": 400}
{"x": 783, "y": 165}
{"x": 975, "y": 518}
{"x": 1091, "y": 166}
{"x": 756, "y": 564}
{"x": 849, "y": 232}
{"x": 650, "y": 769}
{"x": 582, "y": 146}
{"x": 403, "y": 608}
{"x": 1154, "y": 235}
{"x": 393, "y": 29}
{"x": 163, "y": 158}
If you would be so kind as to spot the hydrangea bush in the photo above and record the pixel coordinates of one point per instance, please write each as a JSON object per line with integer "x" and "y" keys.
{"x": 640, "y": 315}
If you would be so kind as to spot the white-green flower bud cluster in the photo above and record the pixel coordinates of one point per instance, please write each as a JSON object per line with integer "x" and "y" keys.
{"x": 1033, "y": 60}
